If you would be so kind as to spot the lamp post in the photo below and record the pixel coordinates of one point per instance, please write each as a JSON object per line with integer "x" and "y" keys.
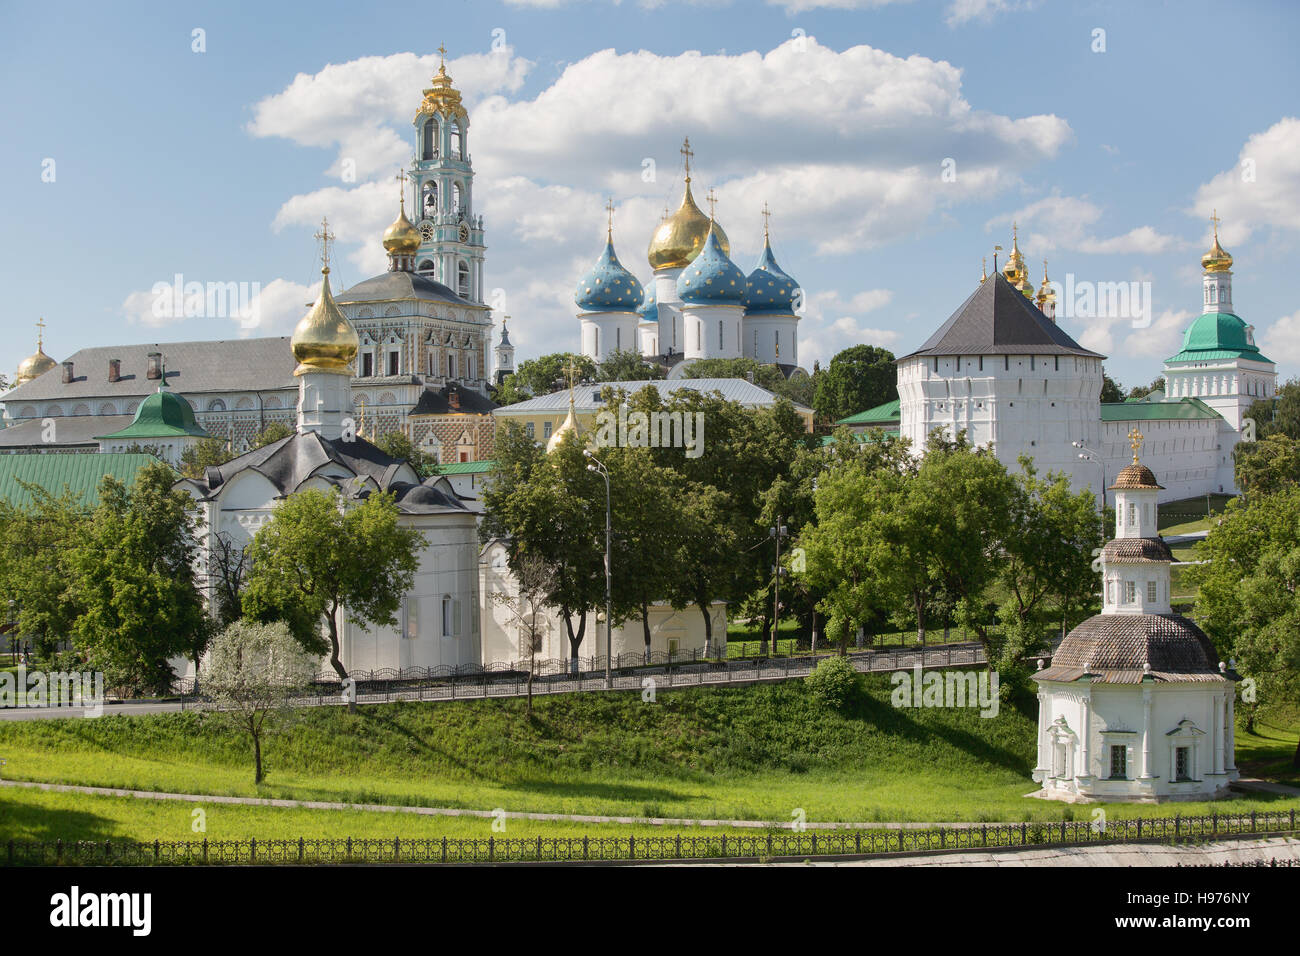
{"x": 1087, "y": 454}
{"x": 778, "y": 531}
{"x": 594, "y": 464}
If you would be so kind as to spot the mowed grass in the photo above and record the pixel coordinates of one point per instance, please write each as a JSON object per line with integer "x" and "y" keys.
{"x": 1190, "y": 514}
{"x": 763, "y": 752}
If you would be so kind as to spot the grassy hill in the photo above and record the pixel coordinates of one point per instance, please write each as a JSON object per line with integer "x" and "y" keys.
{"x": 758, "y": 752}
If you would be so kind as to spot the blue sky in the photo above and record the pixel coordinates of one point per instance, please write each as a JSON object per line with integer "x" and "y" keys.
{"x": 217, "y": 164}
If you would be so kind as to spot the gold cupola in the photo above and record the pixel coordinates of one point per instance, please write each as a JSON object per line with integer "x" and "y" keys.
{"x": 324, "y": 340}
{"x": 1217, "y": 258}
{"x": 36, "y": 364}
{"x": 401, "y": 238}
{"x": 441, "y": 96}
{"x": 680, "y": 236}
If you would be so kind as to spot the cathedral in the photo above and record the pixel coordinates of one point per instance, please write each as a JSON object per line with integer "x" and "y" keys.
{"x": 422, "y": 360}
{"x": 698, "y": 305}
{"x": 1002, "y": 370}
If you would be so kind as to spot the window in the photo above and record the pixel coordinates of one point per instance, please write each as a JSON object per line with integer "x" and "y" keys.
{"x": 546, "y": 430}
{"x": 392, "y": 363}
{"x": 1119, "y": 762}
{"x": 367, "y": 365}
{"x": 430, "y": 138}
{"x": 431, "y": 198}
{"x": 450, "y": 615}
{"x": 1183, "y": 763}
{"x": 721, "y": 344}
{"x": 1132, "y": 514}
{"x": 595, "y": 334}
{"x": 1130, "y": 592}
{"x": 455, "y": 199}
{"x": 699, "y": 335}
{"x": 618, "y": 339}
{"x": 451, "y": 364}
{"x": 1151, "y": 592}
{"x": 1059, "y": 760}
{"x": 469, "y": 366}
{"x": 1110, "y": 592}
{"x": 457, "y": 141}
{"x": 412, "y": 606}
{"x": 462, "y": 280}
{"x": 528, "y": 429}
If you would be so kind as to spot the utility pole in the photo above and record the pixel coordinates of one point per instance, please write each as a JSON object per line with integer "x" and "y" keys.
{"x": 776, "y": 532}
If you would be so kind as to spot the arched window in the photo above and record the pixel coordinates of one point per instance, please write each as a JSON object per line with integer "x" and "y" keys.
{"x": 469, "y": 366}
{"x": 462, "y": 279}
{"x": 451, "y": 364}
{"x": 456, "y": 141}
{"x": 430, "y": 138}
{"x": 426, "y": 266}
{"x": 721, "y": 344}
{"x": 108, "y": 408}
{"x": 216, "y": 405}
{"x": 430, "y": 201}
{"x": 455, "y": 199}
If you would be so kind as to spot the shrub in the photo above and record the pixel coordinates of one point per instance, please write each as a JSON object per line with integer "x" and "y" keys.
{"x": 834, "y": 683}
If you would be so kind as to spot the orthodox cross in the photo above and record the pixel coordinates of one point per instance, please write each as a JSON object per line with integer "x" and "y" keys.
{"x": 40, "y": 332}
{"x": 767, "y": 215}
{"x": 1214, "y": 218}
{"x": 442, "y": 53}
{"x": 401, "y": 181}
{"x": 325, "y": 237}
{"x": 712, "y": 198}
{"x": 609, "y": 208}
{"x": 996, "y": 250}
{"x": 687, "y": 154}
{"x": 1135, "y": 442}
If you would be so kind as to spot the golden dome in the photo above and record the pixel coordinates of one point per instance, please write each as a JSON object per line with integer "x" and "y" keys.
{"x": 324, "y": 340}
{"x": 402, "y": 238}
{"x": 36, "y": 364}
{"x": 570, "y": 424}
{"x": 1014, "y": 271}
{"x": 441, "y": 96}
{"x": 1217, "y": 259}
{"x": 680, "y": 237}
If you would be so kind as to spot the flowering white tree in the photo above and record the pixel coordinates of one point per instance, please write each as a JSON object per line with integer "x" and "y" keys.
{"x": 252, "y": 671}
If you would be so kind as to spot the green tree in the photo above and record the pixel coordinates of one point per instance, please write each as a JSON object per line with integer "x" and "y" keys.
{"x": 397, "y": 445}
{"x": 253, "y": 670}
{"x": 1266, "y": 466}
{"x": 321, "y": 557}
{"x": 36, "y": 545}
{"x": 271, "y": 433}
{"x": 1142, "y": 391}
{"x": 858, "y": 378}
{"x": 543, "y": 375}
{"x": 202, "y": 454}
{"x": 135, "y": 583}
{"x": 1111, "y": 390}
{"x": 798, "y": 389}
{"x": 623, "y": 365}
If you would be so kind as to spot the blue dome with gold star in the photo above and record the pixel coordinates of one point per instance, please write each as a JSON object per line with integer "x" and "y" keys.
{"x": 608, "y": 287}
{"x": 649, "y": 310}
{"x": 712, "y": 278}
{"x": 768, "y": 289}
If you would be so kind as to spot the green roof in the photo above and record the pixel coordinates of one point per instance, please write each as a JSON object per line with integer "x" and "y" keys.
{"x": 869, "y": 435}
{"x": 164, "y": 414}
{"x": 1182, "y": 408}
{"x": 466, "y": 467}
{"x": 1215, "y": 336}
{"x": 887, "y": 413}
{"x": 80, "y": 473}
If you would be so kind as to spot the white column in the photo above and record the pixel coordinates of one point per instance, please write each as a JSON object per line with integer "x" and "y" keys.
{"x": 1085, "y": 734}
{"x": 1218, "y": 736}
{"x": 1146, "y": 730}
{"x": 1230, "y": 728}
{"x": 1042, "y": 735}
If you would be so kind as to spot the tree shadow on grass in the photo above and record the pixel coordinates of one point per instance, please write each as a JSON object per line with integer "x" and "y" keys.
{"x": 23, "y": 821}
{"x": 612, "y": 792}
{"x": 894, "y": 720}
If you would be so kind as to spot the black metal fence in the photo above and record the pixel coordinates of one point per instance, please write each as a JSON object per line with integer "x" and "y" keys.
{"x": 628, "y": 672}
{"x": 769, "y": 844}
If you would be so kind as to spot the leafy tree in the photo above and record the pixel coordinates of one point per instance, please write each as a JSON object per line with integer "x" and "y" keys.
{"x": 547, "y": 505}
{"x": 320, "y": 557}
{"x": 708, "y": 547}
{"x": 398, "y": 445}
{"x": 1142, "y": 391}
{"x": 834, "y": 683}
{"x": 623, "y": 365}
{"x": 1267, "y": 466}
{"x": 770, "y": 377}
{"x": 543, "y": 375}
{"x": 1111, "y": 390}
{"x": 253, "y": 670}
{"x": 134, "y": 580}
{"x": 271, "y": 433}
{"x": 36, "y": 545}
{"x": 205, "y": 452}
{"x": 1247, "y": 599}
{"x": 858, "y": 378}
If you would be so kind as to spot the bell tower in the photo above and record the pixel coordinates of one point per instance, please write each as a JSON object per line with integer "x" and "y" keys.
{"x": 451, "y": 235}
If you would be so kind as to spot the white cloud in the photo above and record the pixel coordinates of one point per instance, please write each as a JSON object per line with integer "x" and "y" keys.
{"x": 831, "y": 323}
{"x": 252, "y": 308}
{"x": 1281, "y": 340}
{"x": 966, "y": 11}
{"x": 852, "y": 145}
{"x": 1262, "y": 190}
{"x": 1069, "y": 223}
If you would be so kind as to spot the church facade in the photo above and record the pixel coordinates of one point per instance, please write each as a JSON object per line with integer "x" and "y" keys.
{"x": 1003, "y": 370}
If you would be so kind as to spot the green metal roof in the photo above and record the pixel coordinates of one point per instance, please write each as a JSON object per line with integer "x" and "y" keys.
{"x": 80, "y": 473}
{"x": 866, "y": 436}
{"x": 1182, "y": 408}
{"x": 164, "y": 414}
{"x": 466, "y": 467}
{"x": 887, "y": 413}
{"x": 1215, "y": 336}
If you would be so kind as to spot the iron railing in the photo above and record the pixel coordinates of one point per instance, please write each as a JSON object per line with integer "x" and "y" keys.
{"x": 769, "y": 844}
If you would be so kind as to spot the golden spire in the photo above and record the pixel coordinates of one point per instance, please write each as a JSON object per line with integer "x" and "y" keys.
{"x": 687, "y": 153}
{"x": 1135, "y": 439}
{"x": 40, "y": 333}
{"x": 1045, "y": 292}
{"x": 609, "y": 210}
{"x": 441, "y": 96}
{"x": 325, "y": 237}
{"x": 1217, "y": 259}
{"x": 361, "y": 414}
{"x": 984, "y": 269}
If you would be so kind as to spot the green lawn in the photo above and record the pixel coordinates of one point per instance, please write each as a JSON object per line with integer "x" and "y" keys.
{"x": 759, "y": 752}
{"x": 1190, "y": 514}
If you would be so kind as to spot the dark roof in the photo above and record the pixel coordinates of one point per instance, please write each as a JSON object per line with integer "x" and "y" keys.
{"x": 998, "y": 320}
{"x": 69, "y": 430}
{"x": 437, "y": 401}
{"x": 1117, "y": 648}
{"x": 1136, "y": 551}
{"x": 289, "y": 462}
{"x": 229, "y": 365}
{"x": 402, "y": 285}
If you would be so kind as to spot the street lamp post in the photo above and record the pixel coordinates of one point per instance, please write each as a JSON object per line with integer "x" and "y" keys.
{"x": 1089, "y": 455}
{"x": 594, "y": 464}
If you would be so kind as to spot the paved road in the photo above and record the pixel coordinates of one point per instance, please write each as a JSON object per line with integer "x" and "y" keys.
{"x": 695, "y": 674}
